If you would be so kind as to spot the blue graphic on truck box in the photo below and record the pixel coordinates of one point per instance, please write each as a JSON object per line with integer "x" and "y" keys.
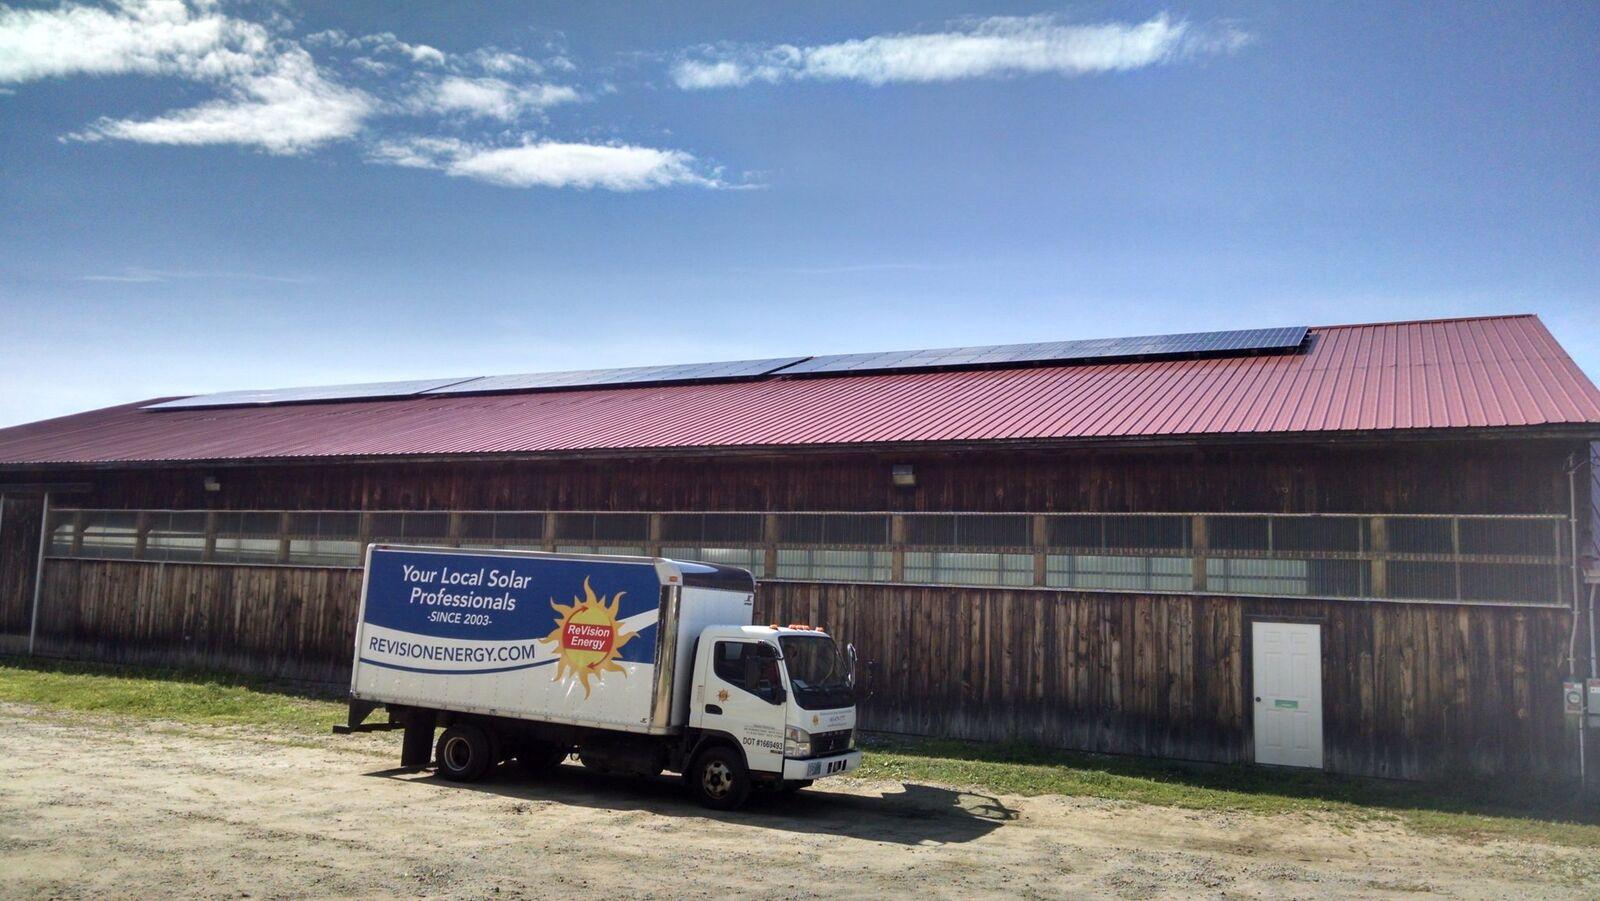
{"x": 462, "y": 613}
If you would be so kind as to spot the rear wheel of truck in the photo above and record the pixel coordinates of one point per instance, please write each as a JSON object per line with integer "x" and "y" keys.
{"x": 538, "y": 758}
{"x": 464, "y": 753}
{"x": 718, "y": 778}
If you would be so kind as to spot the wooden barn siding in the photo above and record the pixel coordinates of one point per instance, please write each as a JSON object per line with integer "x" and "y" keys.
{"x": 284, "y": 622}
{"x": 1409, "y": 691}
{"x": 19, "y": 561}
{"x": 1461, "y": 477}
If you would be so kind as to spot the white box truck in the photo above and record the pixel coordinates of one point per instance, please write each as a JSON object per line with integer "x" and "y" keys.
{"x": 635, "y": 664}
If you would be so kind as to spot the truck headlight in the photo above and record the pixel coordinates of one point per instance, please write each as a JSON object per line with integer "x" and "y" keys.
{"x": 796, "y": 742}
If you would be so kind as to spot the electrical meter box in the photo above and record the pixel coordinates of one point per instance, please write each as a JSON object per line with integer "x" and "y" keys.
{"x": 1572, "y": 698}
{"x": 1593, "y": 686}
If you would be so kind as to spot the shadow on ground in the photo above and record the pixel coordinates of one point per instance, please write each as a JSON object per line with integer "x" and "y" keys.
{"x": 915, "y": 815}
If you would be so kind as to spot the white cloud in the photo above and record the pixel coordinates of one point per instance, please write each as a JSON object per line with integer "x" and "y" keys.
{"x": 289, "y": 108}
{"x": 272, "y": 94}
{"x": 986, "y": 48}
{"x": 151, "y": 37}
{"x": 551, "y": 164}
{"x": 491, "y": 98}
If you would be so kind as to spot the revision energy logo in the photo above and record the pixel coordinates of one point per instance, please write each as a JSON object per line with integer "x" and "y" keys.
{"x": 588, "y": 637}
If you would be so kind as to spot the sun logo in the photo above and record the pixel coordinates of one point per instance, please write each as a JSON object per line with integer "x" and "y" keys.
{"x": 588, "y": 637}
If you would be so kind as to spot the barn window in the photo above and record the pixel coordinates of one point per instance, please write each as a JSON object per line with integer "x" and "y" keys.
{"x": 110, "y": 534}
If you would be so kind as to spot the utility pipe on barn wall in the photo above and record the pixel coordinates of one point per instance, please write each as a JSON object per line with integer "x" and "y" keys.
{"x": 38, "y": 574}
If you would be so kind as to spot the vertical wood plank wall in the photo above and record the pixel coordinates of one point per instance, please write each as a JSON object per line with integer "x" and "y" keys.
{"x": 19, "y": 561}
{"x": 1410, "y": 691}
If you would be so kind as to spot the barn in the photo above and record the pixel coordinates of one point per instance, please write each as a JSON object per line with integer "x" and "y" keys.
{"x": 1345, "y": 547}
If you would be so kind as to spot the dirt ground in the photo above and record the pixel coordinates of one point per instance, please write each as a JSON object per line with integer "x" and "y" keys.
{"x": 90, "y": 808}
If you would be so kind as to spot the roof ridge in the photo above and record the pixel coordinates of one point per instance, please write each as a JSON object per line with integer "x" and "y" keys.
{"x": 1428, "y": 321}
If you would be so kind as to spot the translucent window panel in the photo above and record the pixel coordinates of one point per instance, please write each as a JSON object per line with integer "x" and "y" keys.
{"x": 835, "y": 565}
{"x": 1420, "y": 536}
{"x": 325, "y": 552}
{"x": 1076, "y": 531}
{"x": 598, "y": 528}
{"x": 63, "y": 524}
{"x": 1318, "y": 533}
{"x": 833, "y": 528}
{"x": 254, "y": 524}
{"x": 962, "y": 568}
{"x": 1237, "y": 575}
{"x": 623, "y": 550}
{"x": 175, "y": 536}
{"x": 1421, "y": 580}
{"x": 413, "y": 527}
{"x": 969, "y": 531}
{"x": 753, "y": 559}
{"x": 325, "y": 525}
{"x": 1147, "y": 531}
{"x": 110, "y": 534}
{"x": 1115, "y": 573}
{"x": 711, "y": 528}
{"x": 1531, "y": 583}
{"x": 506, "y": 529}
{"x": 1238, "y": 533}
{"x": 1520, "y": 537}
{"x": 236, "y": 549}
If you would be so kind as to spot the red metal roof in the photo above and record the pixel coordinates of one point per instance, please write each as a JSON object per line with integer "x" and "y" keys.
{"x": 1452, "y": 374}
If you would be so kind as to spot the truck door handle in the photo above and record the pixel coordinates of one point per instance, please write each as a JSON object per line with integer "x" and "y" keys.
{"x": 712, "y": 708}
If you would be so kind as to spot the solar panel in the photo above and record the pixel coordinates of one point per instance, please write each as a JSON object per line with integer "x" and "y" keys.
{"x": 635, "y": 375}
{"x": 307, "y": 395}
{"x": 1096, "y": 349}
{"x": 1190, "y": 344}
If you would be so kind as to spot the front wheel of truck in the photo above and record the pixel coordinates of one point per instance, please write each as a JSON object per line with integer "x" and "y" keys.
{"x": 718, "y": 779}
{"x": 464, "y": 753}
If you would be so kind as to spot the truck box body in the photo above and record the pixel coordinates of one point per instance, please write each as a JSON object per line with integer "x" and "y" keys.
{"x": 575, "y": 639}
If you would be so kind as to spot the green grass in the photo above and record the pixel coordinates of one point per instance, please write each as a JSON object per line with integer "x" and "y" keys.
{"x": 1462, "y": 808}
{"x": 179, "y": 696}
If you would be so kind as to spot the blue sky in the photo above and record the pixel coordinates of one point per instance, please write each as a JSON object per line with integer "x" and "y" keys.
{"x": 245, "y": 195}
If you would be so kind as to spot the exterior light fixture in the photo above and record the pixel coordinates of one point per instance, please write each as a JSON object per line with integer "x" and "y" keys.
{"x": 905, "y": 476}
{"x": 213, "y": 483}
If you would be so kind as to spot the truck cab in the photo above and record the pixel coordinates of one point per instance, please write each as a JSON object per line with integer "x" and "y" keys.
{"x": 785, "y": 695}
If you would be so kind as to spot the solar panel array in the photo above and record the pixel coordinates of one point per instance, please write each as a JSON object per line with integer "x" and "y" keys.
{"x": 1192, "y": 344}
{"x": 634, "y": 375}
{"x": 306, "y": 395}
{"x": 991, "y": 356}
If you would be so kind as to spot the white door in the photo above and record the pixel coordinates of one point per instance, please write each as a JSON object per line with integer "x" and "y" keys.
{"x": 1287, "y": 660}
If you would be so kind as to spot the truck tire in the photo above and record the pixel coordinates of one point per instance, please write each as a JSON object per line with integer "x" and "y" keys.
{"x": 718, "y": 779}
{"x": 538, "y": 758}
{"x": 464, "y": 753}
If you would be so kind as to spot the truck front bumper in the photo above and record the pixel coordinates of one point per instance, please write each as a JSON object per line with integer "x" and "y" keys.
{"x": 821, "y": 767}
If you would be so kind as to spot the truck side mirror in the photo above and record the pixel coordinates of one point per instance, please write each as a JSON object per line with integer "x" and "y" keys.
{"x": 777, "y": 695}
{"x": 851, "y": 650}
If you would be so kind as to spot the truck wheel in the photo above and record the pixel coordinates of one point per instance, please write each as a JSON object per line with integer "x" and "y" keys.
{"x": 538, "y": 758}
{"x": 719, "y": 779}
{"x": 464, "y": 753}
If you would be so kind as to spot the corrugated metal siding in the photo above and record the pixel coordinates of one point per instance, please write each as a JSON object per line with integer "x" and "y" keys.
{"x": 1469, "y": 373}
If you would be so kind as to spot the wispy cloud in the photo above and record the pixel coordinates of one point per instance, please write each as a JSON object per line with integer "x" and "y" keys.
{"x": 984, "y": 48}
{"x": 551, "y": 164}
{"x": 288, "y": 107}
{"x": 136, "y": 275}
{"x": 491, "y": 98}
{"x": 275, "y": 94}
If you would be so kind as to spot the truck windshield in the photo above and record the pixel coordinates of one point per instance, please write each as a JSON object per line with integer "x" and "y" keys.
{"x": 818, "y": 672}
